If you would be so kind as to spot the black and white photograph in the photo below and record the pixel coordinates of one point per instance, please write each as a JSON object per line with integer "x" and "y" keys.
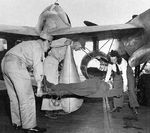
{"x": 80, "y": 66}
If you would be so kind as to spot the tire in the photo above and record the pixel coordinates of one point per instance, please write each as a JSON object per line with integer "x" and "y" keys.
{"x": 88, "y": 57}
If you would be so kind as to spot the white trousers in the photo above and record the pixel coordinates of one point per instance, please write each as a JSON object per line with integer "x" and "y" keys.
{"x": 52, "y": 75}
{"x": 20, "y": 91}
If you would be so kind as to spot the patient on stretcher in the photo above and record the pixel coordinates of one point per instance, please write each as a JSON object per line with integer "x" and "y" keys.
{"x": 94, "y": 87}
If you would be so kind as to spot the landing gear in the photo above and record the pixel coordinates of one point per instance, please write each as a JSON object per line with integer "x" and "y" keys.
{"x": 90, "y": 56}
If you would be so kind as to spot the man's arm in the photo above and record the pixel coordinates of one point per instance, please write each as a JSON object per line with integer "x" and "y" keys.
{"x": 61, "y": 42}
{"x": 108, "y": 74}
{"x": 38, "y": 68}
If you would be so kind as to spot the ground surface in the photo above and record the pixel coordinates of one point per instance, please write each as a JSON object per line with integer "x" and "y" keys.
{"x": 90, "y": 118}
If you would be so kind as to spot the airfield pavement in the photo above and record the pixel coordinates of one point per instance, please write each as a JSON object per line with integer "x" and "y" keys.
{"x": 90, "y": 118}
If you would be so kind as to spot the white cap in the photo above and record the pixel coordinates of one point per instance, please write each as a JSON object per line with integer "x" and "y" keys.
{"x": 46, "y": 36}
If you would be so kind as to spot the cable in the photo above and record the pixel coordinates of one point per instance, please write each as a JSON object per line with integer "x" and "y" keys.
{"x": 111, "y": 45}
{"x": 104, "y": 44}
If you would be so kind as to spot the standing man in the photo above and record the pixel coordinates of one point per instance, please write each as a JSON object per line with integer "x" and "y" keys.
{"x": 18, "y": 82}
{"x": 123, "y": 81}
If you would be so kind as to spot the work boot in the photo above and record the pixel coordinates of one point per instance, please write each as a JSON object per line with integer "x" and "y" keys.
{"x": 135, "y": 110}
{"x": 116, "y": 109}
{"x": 35, "y": 130}
{"x": 16, "y": 127}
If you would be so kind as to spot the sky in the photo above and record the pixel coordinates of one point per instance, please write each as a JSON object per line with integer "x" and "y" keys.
{"x": 101, "y": 12}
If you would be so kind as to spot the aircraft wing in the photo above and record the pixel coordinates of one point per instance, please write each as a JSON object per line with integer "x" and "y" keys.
{"x": 87, "y": 32}
{"x": 100, "y": 32}
{"x": 6, "y": 30}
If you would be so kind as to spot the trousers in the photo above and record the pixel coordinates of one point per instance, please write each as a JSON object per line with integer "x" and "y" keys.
{"x": 131, "y": 88}
{"x": 52, "y": 75}
{"x": 20, "y": 92}
{"x": 118, "y": 84}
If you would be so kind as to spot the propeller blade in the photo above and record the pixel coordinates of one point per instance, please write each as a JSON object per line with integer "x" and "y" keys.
{"x": 88, "y": 23}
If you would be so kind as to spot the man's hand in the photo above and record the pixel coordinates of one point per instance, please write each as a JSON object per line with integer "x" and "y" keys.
{"x": 68, "y": 42}
{"x": 39, "y": 92}
{"x": 76, "y": 46}
{"x": 110, "y": 84}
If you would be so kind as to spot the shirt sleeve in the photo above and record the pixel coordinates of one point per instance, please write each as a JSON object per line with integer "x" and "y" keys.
{"x": 38, "y": 57}
{"x": 124, "y": 74}
{"x": 58, "y": 43}
{"x": 108, "y": 74}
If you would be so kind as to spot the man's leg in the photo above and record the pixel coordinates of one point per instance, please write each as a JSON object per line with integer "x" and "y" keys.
{"x": 14, "y": 105}
{"x": 51, "y": 73}
{"x": 131, "y": 87}
{"x": 118, "y": 102}
{"x": 25, "y": 94}
{"x": 118, "y": 97}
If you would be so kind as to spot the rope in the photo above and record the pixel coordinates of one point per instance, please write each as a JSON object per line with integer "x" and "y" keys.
{"x": 104, "y": 44}
{"x": 87, "y": 49}
{"x": 86, "y": 52}
{"x": 111, "y": 45}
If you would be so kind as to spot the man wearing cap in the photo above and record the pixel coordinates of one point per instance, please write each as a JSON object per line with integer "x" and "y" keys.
{"x": 27, "y": 54}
